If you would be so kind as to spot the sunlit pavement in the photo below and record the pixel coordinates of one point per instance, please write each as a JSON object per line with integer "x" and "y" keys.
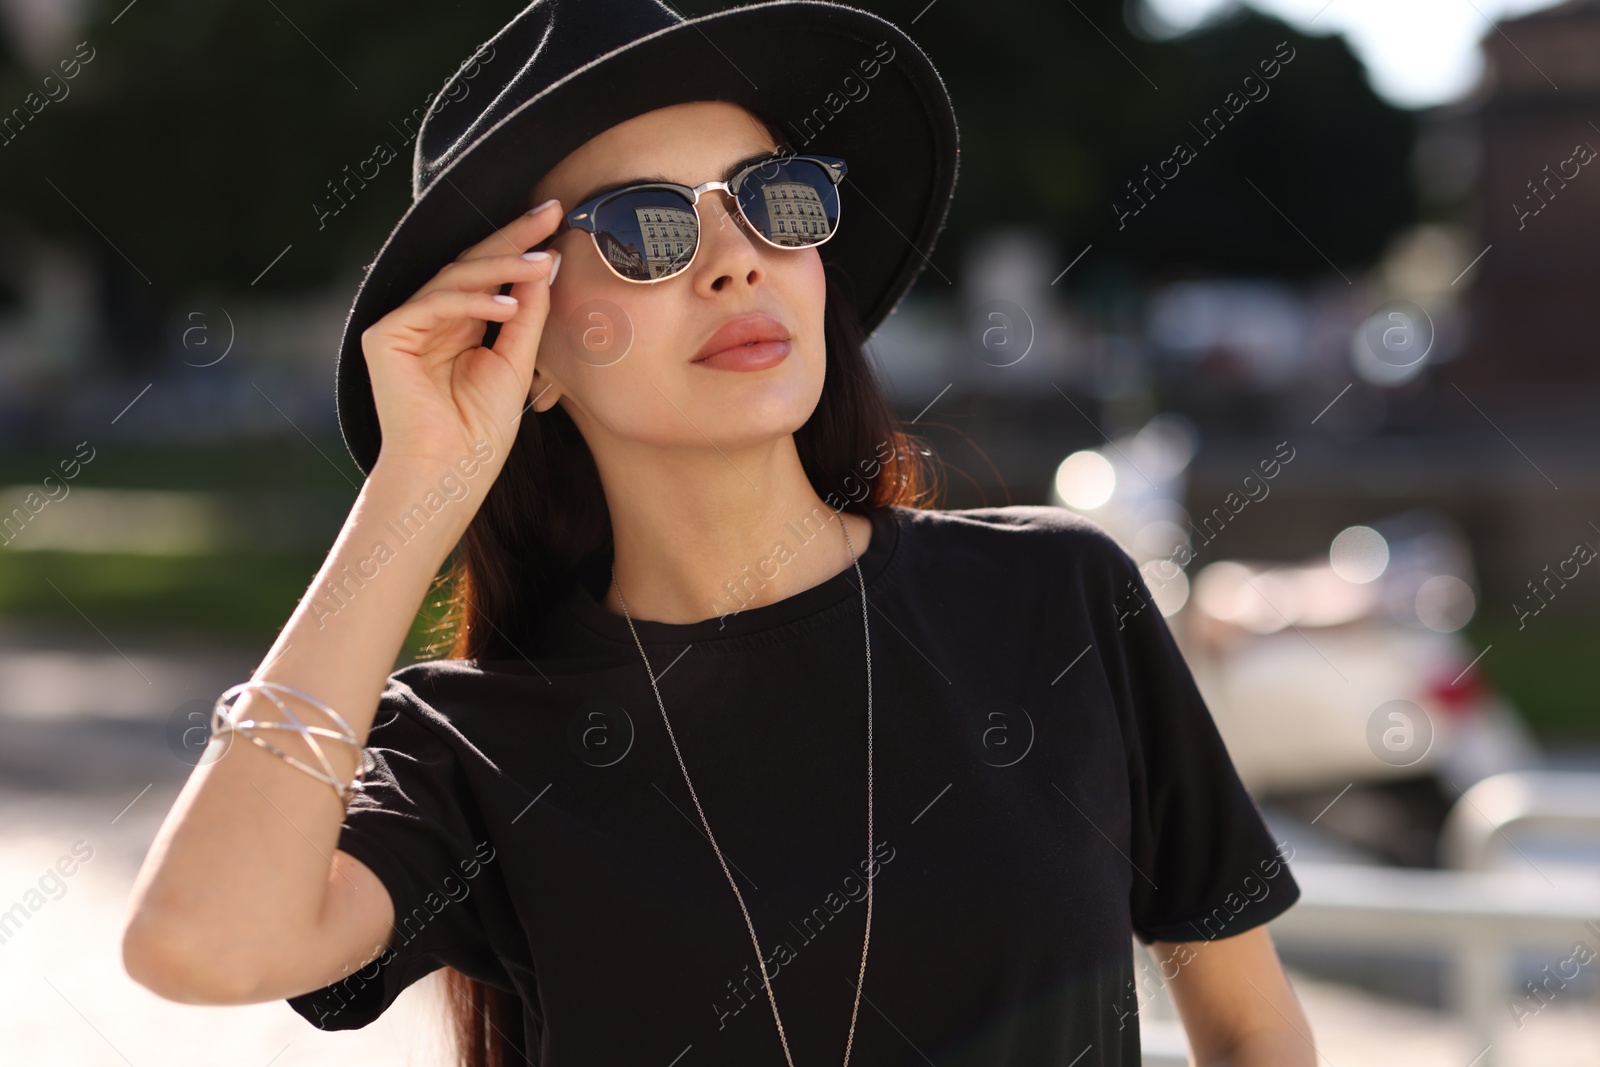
{"x": 83, "y": 758}
{"x": 68, "y": 999}
{"x": 1354, "y": 1028}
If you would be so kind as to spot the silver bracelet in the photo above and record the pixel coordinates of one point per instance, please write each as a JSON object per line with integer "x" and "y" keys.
{"x": 224, "y": 719}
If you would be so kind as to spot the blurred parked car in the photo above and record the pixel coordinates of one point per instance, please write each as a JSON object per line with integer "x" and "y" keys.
{"x": 1341, "y": 684}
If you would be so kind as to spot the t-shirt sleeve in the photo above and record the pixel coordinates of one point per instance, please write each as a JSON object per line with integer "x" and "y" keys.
{"x": 416, "y": 826}
{"x": 1205, "y": 864}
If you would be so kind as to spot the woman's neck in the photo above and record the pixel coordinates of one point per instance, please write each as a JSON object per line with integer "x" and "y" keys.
{"x": 741, "y": 531}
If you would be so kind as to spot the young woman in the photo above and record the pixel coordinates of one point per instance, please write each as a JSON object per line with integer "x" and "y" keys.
{"x": 725, "y": 690}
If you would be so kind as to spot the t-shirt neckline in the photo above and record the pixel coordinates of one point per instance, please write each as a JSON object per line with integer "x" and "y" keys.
{"x": 594, "y": 574}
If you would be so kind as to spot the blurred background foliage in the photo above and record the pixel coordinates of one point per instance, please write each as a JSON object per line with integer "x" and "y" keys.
{"x": 224, "y": 123}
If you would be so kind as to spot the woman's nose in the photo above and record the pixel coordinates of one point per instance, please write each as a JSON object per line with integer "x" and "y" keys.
{"x": 727, "y": 248}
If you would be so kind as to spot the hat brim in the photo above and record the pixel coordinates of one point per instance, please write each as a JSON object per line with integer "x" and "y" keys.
{"x": 788, "y": 59}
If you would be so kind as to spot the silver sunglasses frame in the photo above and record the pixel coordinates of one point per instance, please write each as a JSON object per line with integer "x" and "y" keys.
{"x": 582, "y": 216}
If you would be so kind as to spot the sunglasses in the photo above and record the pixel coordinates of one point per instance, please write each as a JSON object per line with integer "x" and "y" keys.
{"x": 650, "y": 231}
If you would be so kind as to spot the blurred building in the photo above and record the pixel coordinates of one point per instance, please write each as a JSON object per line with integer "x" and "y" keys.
{"x": 1538, "y": 201}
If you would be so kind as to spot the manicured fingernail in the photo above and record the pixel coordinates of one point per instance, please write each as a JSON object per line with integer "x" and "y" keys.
{"x": 504, "y": 298}
{"x": 541, "y": 207}
{"x": 555, "y": 269}
{"x": 536, "y": 257}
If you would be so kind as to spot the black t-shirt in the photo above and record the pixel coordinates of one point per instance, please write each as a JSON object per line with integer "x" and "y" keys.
{"x": 1048, "y": 784}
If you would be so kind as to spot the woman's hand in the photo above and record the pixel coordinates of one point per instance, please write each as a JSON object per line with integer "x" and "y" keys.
{"x": 438, "y": 391}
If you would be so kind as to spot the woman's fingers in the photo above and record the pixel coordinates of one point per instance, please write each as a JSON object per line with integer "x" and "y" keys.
{"x": 412, "y": 325}
{"x": 433, "y": 382}
{"x": 519, "y": 336}
{"x": 487, "y": 273}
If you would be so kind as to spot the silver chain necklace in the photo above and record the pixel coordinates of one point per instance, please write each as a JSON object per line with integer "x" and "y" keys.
{"x": 871, "y": 867}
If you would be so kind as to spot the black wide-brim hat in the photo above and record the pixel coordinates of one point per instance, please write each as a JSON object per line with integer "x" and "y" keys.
{"x": 835, "y": 79}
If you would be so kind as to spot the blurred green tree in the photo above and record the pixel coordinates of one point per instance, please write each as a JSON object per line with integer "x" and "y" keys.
{"x": 1061, "y": 104}
{"x": 203, "y": 136}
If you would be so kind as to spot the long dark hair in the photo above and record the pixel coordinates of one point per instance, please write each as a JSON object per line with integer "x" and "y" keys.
{"x": 546, "y": 511}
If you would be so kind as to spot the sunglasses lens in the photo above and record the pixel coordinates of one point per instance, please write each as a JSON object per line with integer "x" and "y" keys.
{"x": 791, "y": 202}
{"x": 647, "y": 234}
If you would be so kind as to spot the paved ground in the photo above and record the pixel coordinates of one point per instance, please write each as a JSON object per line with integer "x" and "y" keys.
{"x": 84, "y": 757}
{"x": 67, "y": 998}
{"x": 86, "y": 733}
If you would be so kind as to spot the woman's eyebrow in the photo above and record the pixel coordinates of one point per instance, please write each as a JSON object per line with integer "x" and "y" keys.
{"x": 624, "y": 183}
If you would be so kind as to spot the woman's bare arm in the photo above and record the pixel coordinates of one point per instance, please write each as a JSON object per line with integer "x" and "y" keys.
{"x": 235, "y": 884}
{"x": 1236, "y": 1004}
{"x": 243, "y": 896}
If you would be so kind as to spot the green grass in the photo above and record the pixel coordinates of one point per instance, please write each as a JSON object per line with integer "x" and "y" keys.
{"x": 1550, "y": 672}
{"x": 230, "y": 596}
{"x": 288, "y": 462}
{"x": 237, "y": 597}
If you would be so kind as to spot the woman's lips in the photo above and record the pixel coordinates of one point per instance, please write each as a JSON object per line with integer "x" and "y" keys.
{"x": 752, "y": 341}
{"x": 757, "y": 356}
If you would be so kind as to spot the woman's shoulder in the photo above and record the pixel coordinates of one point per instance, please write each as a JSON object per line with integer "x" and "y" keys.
{"x": 430, "y": 673}
{"x": 441, "y": 684}
{"x": 440, "y": 694}
{"x": 1015, "y": 550}
{"x": 1012, "y": 527}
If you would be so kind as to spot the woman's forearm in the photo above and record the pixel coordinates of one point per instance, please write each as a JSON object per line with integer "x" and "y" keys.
{"x": 242, "y": 860}
{"x": 1283, "y": 1046}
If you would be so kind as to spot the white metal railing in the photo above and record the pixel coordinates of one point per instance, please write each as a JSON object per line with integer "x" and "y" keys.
{"x": 1548, "y": 805}
{"x": 1476, "y": 919}
{"x": 1163, "y": 1044}
{"x": 1476, "y": 915}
